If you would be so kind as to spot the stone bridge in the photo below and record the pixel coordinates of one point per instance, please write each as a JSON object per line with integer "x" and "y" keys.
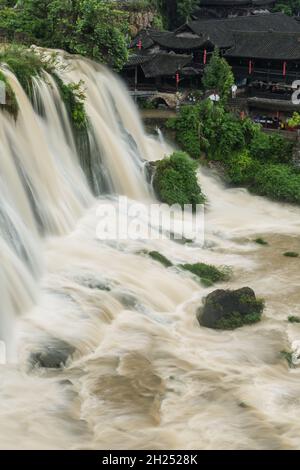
{"x": 171, "y": 100}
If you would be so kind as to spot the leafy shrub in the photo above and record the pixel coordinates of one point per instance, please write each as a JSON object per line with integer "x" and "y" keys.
{"x": 241, "y": 168}
{"x": 279, "y": 182}
{"x": 270, "y": 148}
{"x": 251, "y": 158}
{"x": 175, "y": 181}
{"x": 294, "y": 121}
{"x": 187, "y": 127}
{"x": 73, "y": 98}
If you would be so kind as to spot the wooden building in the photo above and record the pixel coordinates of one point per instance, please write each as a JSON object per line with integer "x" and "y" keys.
{"x": 264, "y": 47}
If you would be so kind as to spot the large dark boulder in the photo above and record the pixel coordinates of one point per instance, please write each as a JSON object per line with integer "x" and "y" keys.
{"x": 230, "y": 309}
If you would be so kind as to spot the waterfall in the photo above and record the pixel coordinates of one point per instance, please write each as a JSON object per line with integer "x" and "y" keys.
{"x": 142, "y": 373}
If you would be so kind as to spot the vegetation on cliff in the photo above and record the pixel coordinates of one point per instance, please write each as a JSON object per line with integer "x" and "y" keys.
{"x": 94, "y": 28}
{"x": 26, "y": 64}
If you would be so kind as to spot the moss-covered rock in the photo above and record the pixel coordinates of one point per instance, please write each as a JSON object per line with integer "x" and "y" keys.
{"x": 291, "y": 254}
{"x": 175, "y": 181}
{"x": 293, "y": 319}
{"x": 261, "y": 241}
{"x": 228, "y": 310}
{"x": 156, "y": 256}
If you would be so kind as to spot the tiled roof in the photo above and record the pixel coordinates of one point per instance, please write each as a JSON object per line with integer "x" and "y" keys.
{"x": 137, "y": 59}
{"x": 220, "y": 31}
{"x": 235, "y": 3}
{"x": 168, "y": 40}
{"x": 160, "y": 64}
{"x": 145, "y": 37}
{"x": 266, "y": 45}
{"x": 165, "y": 64}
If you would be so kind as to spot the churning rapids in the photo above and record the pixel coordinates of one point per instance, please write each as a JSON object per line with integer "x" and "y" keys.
{"x": 143, "y": 374}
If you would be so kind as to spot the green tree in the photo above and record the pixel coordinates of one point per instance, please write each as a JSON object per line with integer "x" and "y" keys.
{"x": 176, "y": 12}
{"x": 218, "y": 75}
{"x": 294, "y": 121}
{"x": 95, "y": 28}
{"x": 289, "y": 7}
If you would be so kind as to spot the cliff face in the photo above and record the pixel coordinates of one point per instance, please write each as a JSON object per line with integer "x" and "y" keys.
{"x": 140, "y": 19}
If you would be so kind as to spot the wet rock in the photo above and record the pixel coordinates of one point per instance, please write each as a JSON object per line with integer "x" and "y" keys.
{"x": 150, "y": 169}
{"x": 230, "y": 309}
{"x": 53, "y": 355}
{"x": 95, "y": 284}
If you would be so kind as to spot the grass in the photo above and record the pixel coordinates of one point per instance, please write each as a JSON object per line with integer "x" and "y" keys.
{"x": 207, "y": 273}
{"x": 261, "y": 241}
{"x": 291, "y": 254}
{"x": 294, "y": 319}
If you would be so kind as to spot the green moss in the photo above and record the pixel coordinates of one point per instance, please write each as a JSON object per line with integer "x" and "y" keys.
{"x": 175, "y": 181}
{"x": 294, "y": 319}
{"x": 261, "y": 241}
{"x": 156, "y": 256}
{"x": 288, "y": 356}
{"x": 24, "y": 63}
{"x": 208, "y": 274}
{"x": 236, "y": 320}
{"x": 291, "y": 254}
{"x": 11, "y": 105}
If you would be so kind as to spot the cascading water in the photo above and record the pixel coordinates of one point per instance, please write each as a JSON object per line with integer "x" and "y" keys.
{"x": 143, "y": 373}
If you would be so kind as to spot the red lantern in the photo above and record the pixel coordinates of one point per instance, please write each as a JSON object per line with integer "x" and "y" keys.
{"x": 139, "y": 44}
{"x": 284, "y": 69}
{"x": 250, "y": 68}
{"x": 177, "y": 78}
{"x": 204, "y": 56}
